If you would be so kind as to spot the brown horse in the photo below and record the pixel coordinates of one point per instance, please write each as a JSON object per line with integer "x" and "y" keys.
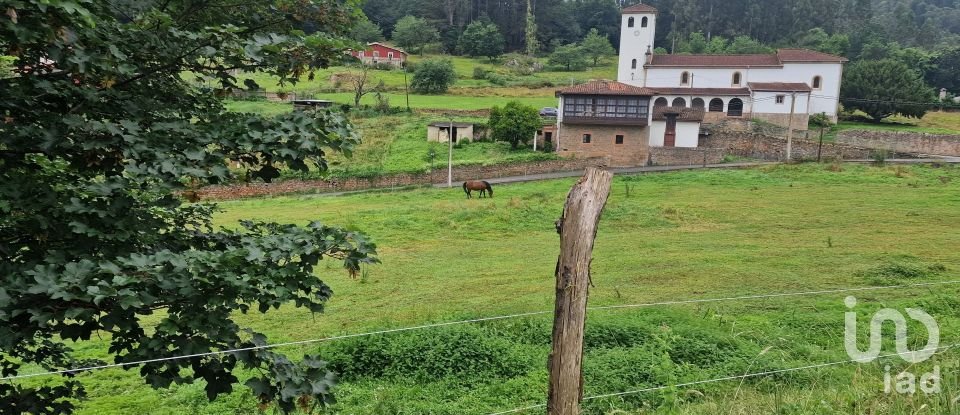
{"x": 483, "y": 187}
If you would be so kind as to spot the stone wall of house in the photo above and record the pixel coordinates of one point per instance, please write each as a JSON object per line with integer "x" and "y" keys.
{"x": 633, "y": 152}
{"x": 906, "y": 142}
{"x": 461, "y": 173}
{"x": 763, "y": 147}
{"x": 674, "y": 156}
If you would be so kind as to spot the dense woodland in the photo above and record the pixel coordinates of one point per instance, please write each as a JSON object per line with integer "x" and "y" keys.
{"x": 923, "y": 23}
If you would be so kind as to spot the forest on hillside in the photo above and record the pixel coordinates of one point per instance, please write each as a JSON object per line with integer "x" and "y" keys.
{"x": 927, "y": 24}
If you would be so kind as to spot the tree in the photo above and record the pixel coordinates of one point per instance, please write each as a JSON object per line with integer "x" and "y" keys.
{"x": 102, "y": 137}
{"x": 570, "y": 57}
{"x": 946, "y": 73}
{"x": 515, "y": 123}
{"x": 885, "y": 88}
{"x": 532, "y": 44}
{"x": 747, "y": 45}
{"x": 482, "y": 38}
{"x": 359, "y": 82}
{"x": 433, "y": 76}
{"x": 596, "y": 46}
{"x": 415, "y": 33}
{"x": 366, "y": 31}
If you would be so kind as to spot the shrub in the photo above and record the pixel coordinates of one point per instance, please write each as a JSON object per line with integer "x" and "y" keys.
{"x": 879, "y": 156}
{"x": 384, "y": 66}
{"x": 480, "y": 73}
{"x": 433, "y": 76}
{"x": 464, "y": 353}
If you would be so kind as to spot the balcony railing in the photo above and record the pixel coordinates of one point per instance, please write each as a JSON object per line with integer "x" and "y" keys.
{"x": 595, "y": 120}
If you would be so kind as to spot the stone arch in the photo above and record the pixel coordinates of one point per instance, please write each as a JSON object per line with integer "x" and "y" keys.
{"x": 679, "y": 102}
{"x": 735, "y": 108}
{"x": 661, "y": 102}
{"x": 716, "y": 105}
{"x": 698, "y": 103}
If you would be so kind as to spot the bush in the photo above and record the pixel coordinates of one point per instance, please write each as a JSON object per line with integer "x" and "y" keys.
{"x": 384, "y": 66}
{"x": 879, "y": 156}
{"x": 480, "y": 73}
{"x": 433, "y": 76}
{"x": 464, "y": 353}
{"x": 522, "y": 64}
{"x": 497, "y": 79}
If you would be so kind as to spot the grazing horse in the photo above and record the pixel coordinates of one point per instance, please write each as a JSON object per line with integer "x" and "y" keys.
{"x": 483, "y": 187}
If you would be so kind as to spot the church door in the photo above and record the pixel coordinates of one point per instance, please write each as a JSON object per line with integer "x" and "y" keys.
{"x": 670, "y": 137}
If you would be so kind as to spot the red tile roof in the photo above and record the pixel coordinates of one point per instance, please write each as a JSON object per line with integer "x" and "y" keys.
{"x": 727, "y": 61}
{"x": 715, "y": 60}
{"x": 702, "y": 91}
{"x": 683, "y": 113}
{"x": 806, "y": 55}
{"x": 779, "y": 86}
{"x": 605, "y": 88}
{"x": 640, "y": 8}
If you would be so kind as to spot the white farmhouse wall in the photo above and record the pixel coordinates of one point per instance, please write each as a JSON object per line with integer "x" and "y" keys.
{"x": 826, "y": 98}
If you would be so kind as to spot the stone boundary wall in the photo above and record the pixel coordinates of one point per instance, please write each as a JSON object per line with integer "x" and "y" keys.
{"x": 762, "y": 147}
{"x": 462, "y": 173}
{"x": 676, "y": 156}
{"x": 907, "y": 142}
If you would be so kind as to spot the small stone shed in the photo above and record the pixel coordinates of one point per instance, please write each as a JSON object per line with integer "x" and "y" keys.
{"x": 440, "y": 132}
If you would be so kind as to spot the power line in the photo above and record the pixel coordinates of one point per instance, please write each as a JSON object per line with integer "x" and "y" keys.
{"x": 727, "y": 378}
{"x": 470, "y": 321}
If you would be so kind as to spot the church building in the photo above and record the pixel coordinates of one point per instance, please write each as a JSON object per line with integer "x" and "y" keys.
{"x": 660, "y": 100}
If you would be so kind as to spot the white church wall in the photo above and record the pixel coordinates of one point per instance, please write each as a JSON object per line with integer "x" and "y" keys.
{"x": 766, "y": 103}
{"x": 688, "y": 134}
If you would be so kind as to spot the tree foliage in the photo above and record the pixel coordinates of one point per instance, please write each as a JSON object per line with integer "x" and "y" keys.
{"x": 569, "y": 57}
{"x": 597, "y": 47}
{"x": 100, "y": 134}
{"x": 515, "y": 123}
{"x": 433, "y": 76}
{"x": 365, "y": 31}
{"x": 415, "y": 33}
{"x": 885, "y": 88}
{"x": 482, "y": 38}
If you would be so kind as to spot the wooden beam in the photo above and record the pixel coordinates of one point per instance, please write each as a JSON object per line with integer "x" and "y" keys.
{"x": 578, "y": 230}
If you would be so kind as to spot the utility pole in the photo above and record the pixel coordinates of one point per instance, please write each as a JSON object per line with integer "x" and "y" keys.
{"x": 535, "y": 141}
{"x": 578, "y": 230}
{"x": 793, "y": 108}
{"x": 450, "y": 154}
{"x": 406, "y": 87}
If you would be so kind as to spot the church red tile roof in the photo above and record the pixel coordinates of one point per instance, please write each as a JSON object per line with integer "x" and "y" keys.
{"x": 605, "y": 88}
{"x": 725, "y": 61}
{"x": 702, "y": 91}
{"x": 737, "y": 61}
{"x": 780, "y": 86}
{"x": 640, "y": 8}
{"x": 683, "y": 113}
{"x": 806, "y": 55}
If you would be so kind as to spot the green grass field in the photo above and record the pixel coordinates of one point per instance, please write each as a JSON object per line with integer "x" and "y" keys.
{"x": 932, "y": 123}
{"x": 676, "y": 236}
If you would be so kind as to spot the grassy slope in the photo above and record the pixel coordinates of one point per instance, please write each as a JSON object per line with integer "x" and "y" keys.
{"x": 398, "y": 144}
{"x": 663, "y": 237}
{"x": 932, "y": 123}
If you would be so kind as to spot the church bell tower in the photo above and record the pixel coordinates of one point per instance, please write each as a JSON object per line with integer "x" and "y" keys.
{"x": 638, "y": 29}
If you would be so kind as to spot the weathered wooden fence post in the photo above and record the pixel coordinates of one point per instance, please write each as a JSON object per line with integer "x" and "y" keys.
{"x": 578, "y": 230}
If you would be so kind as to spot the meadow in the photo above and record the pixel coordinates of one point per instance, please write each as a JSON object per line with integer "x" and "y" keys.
{"x": 676, "y": 236}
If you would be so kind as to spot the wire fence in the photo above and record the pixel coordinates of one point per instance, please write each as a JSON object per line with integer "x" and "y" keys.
{"x": 477, "y": 320}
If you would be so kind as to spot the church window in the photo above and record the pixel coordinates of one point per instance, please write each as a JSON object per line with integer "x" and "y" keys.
{"x": 781, "y": 99}
{"x": 736, "y": 78}
{"x": 630, "y": 22}
{"x": 685, "y": 78}
{"x": 633, "y": 65}
{"x": 644, "y": 22}
{"x": 817, "y": 82}
{"x": 735, "y": 108}
{"x": 716, "y": 105}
